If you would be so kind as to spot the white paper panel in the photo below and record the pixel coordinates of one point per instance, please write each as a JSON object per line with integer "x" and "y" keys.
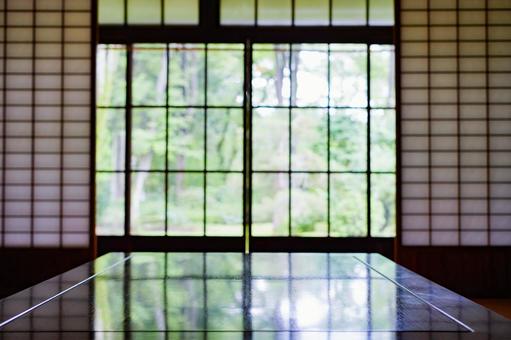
{"x": 447, "y": 206}
{"x": 471, "y": 222}
{"x": 46, "y": 224}
{"x": 17, "y": 240}
{"x": 473, "y": 238}
{"x": 500, "y": 238}
{"x": 444, "y": 222}
{"x": 17, "y": 192}
{"x": 416, "y": 222}
{"x": 473, "y": 206}
{"x": 443, "y": 143}
{"x": 72, "y": 240}
{"x": 414, "y": 175}
{"x": 456, "y": 101}
{"x": 47, "y": 144}
{"x": 414, "y": 190}
{"x": 500, "y": 206}
{"x": 444, "y": 175}
{"x": 443, "y": 111}
{"x": 501, "y": 222}
{"x": 415, "y": 143}
{"x": 414, "y": 158}
{"x": 500, "y": 190}
{"x": 17, "y": 224}
{"x": 46, "y": 240}
{"x": 75, "y": 224}
{"x": 415, "y": 238}
{"x": 415, "y": 207}
{"x": 444, "y": 238}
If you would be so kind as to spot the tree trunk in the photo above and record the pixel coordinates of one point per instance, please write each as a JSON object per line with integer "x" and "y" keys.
{"x": 138, "y": 188}
{"x": 280, "y": 64}
{"x": 295, "y": 63}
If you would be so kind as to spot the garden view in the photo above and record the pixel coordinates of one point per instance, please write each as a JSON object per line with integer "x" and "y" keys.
{"x": 323, "y": 129}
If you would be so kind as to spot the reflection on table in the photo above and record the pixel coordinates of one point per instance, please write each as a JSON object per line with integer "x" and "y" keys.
{"x": 259, "y": 296}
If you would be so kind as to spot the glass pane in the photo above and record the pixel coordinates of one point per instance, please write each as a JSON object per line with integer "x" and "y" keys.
{"x": 110, "y": 139}
{"x": 185, "y": 304}
{"x": 274, "y": 12}
{"x": 383, "y": 205}
{"x": 148, "y": 139}
{"x": 186, "y": 139}
{"x": 185, "y": 204}
{"x": 111, "y": 75}
{"x": 144, "y": 11}
{"x": 182, "y": 12}
{"x": 311, "y": 12}
{"x": 309, "y": 75}
{"x": 348, "y": 12}
{"x": 110, "y": 203}
{"x": 225, "y": 139}
{"x": 237, "y": 12}
{"x": 348, "y": 140}
{"x": 225, "y": 75}
{"x": 149, "y": 74}
{"x": 309, "y": 204}
{"x": 270, "y": 204}
{"x": 111, "y": 11}
{"x": 270, "y": 139}
{"x": 186, "y": 74}
{"x": 348, "y": 75}
{"x": 270, "y": 75}
{"x": 381, "y": 12}
{"x": 224, "y": 204}
{"x": 382, "y": 76}
{"x": 147, "y": 204}
{"x": 383, "y": 140}
{"x": 309, "y": 140}
{"x": 348, "y": 205}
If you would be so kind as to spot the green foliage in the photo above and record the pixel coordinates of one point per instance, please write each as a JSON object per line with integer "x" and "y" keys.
{"x": 211, "y": 138}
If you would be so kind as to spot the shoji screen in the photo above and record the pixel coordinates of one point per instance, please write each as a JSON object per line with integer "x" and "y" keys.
{"x": 45, "y": 122}
{"x": 456, "y": 122}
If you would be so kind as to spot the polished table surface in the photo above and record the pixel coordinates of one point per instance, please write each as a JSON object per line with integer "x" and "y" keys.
{"x": 239, "y": 296}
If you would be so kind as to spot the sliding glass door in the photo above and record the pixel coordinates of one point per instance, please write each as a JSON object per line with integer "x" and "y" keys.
{"x": 245, "y": 141}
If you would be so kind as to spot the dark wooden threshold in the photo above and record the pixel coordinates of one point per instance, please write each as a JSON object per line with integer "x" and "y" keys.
{"x": 25, "y": 267}
{"x": 384, "y": 246}
{"x": 477, "y": 272}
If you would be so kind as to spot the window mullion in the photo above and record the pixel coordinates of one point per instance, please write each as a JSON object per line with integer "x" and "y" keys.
{"x": 247, "y": 145}
{"x": 166, "y": 179}
{"x": 368, "y": 141}
{"x": 127, "y": 156}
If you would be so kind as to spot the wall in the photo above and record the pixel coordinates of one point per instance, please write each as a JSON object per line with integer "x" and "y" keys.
{"x": 45, "y": 128}
{"x": 455, "y": 146}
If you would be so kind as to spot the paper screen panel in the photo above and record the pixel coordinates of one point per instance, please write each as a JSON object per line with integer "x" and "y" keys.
{"x": 45, "y": 134}
{"x": 455, "y": 117}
